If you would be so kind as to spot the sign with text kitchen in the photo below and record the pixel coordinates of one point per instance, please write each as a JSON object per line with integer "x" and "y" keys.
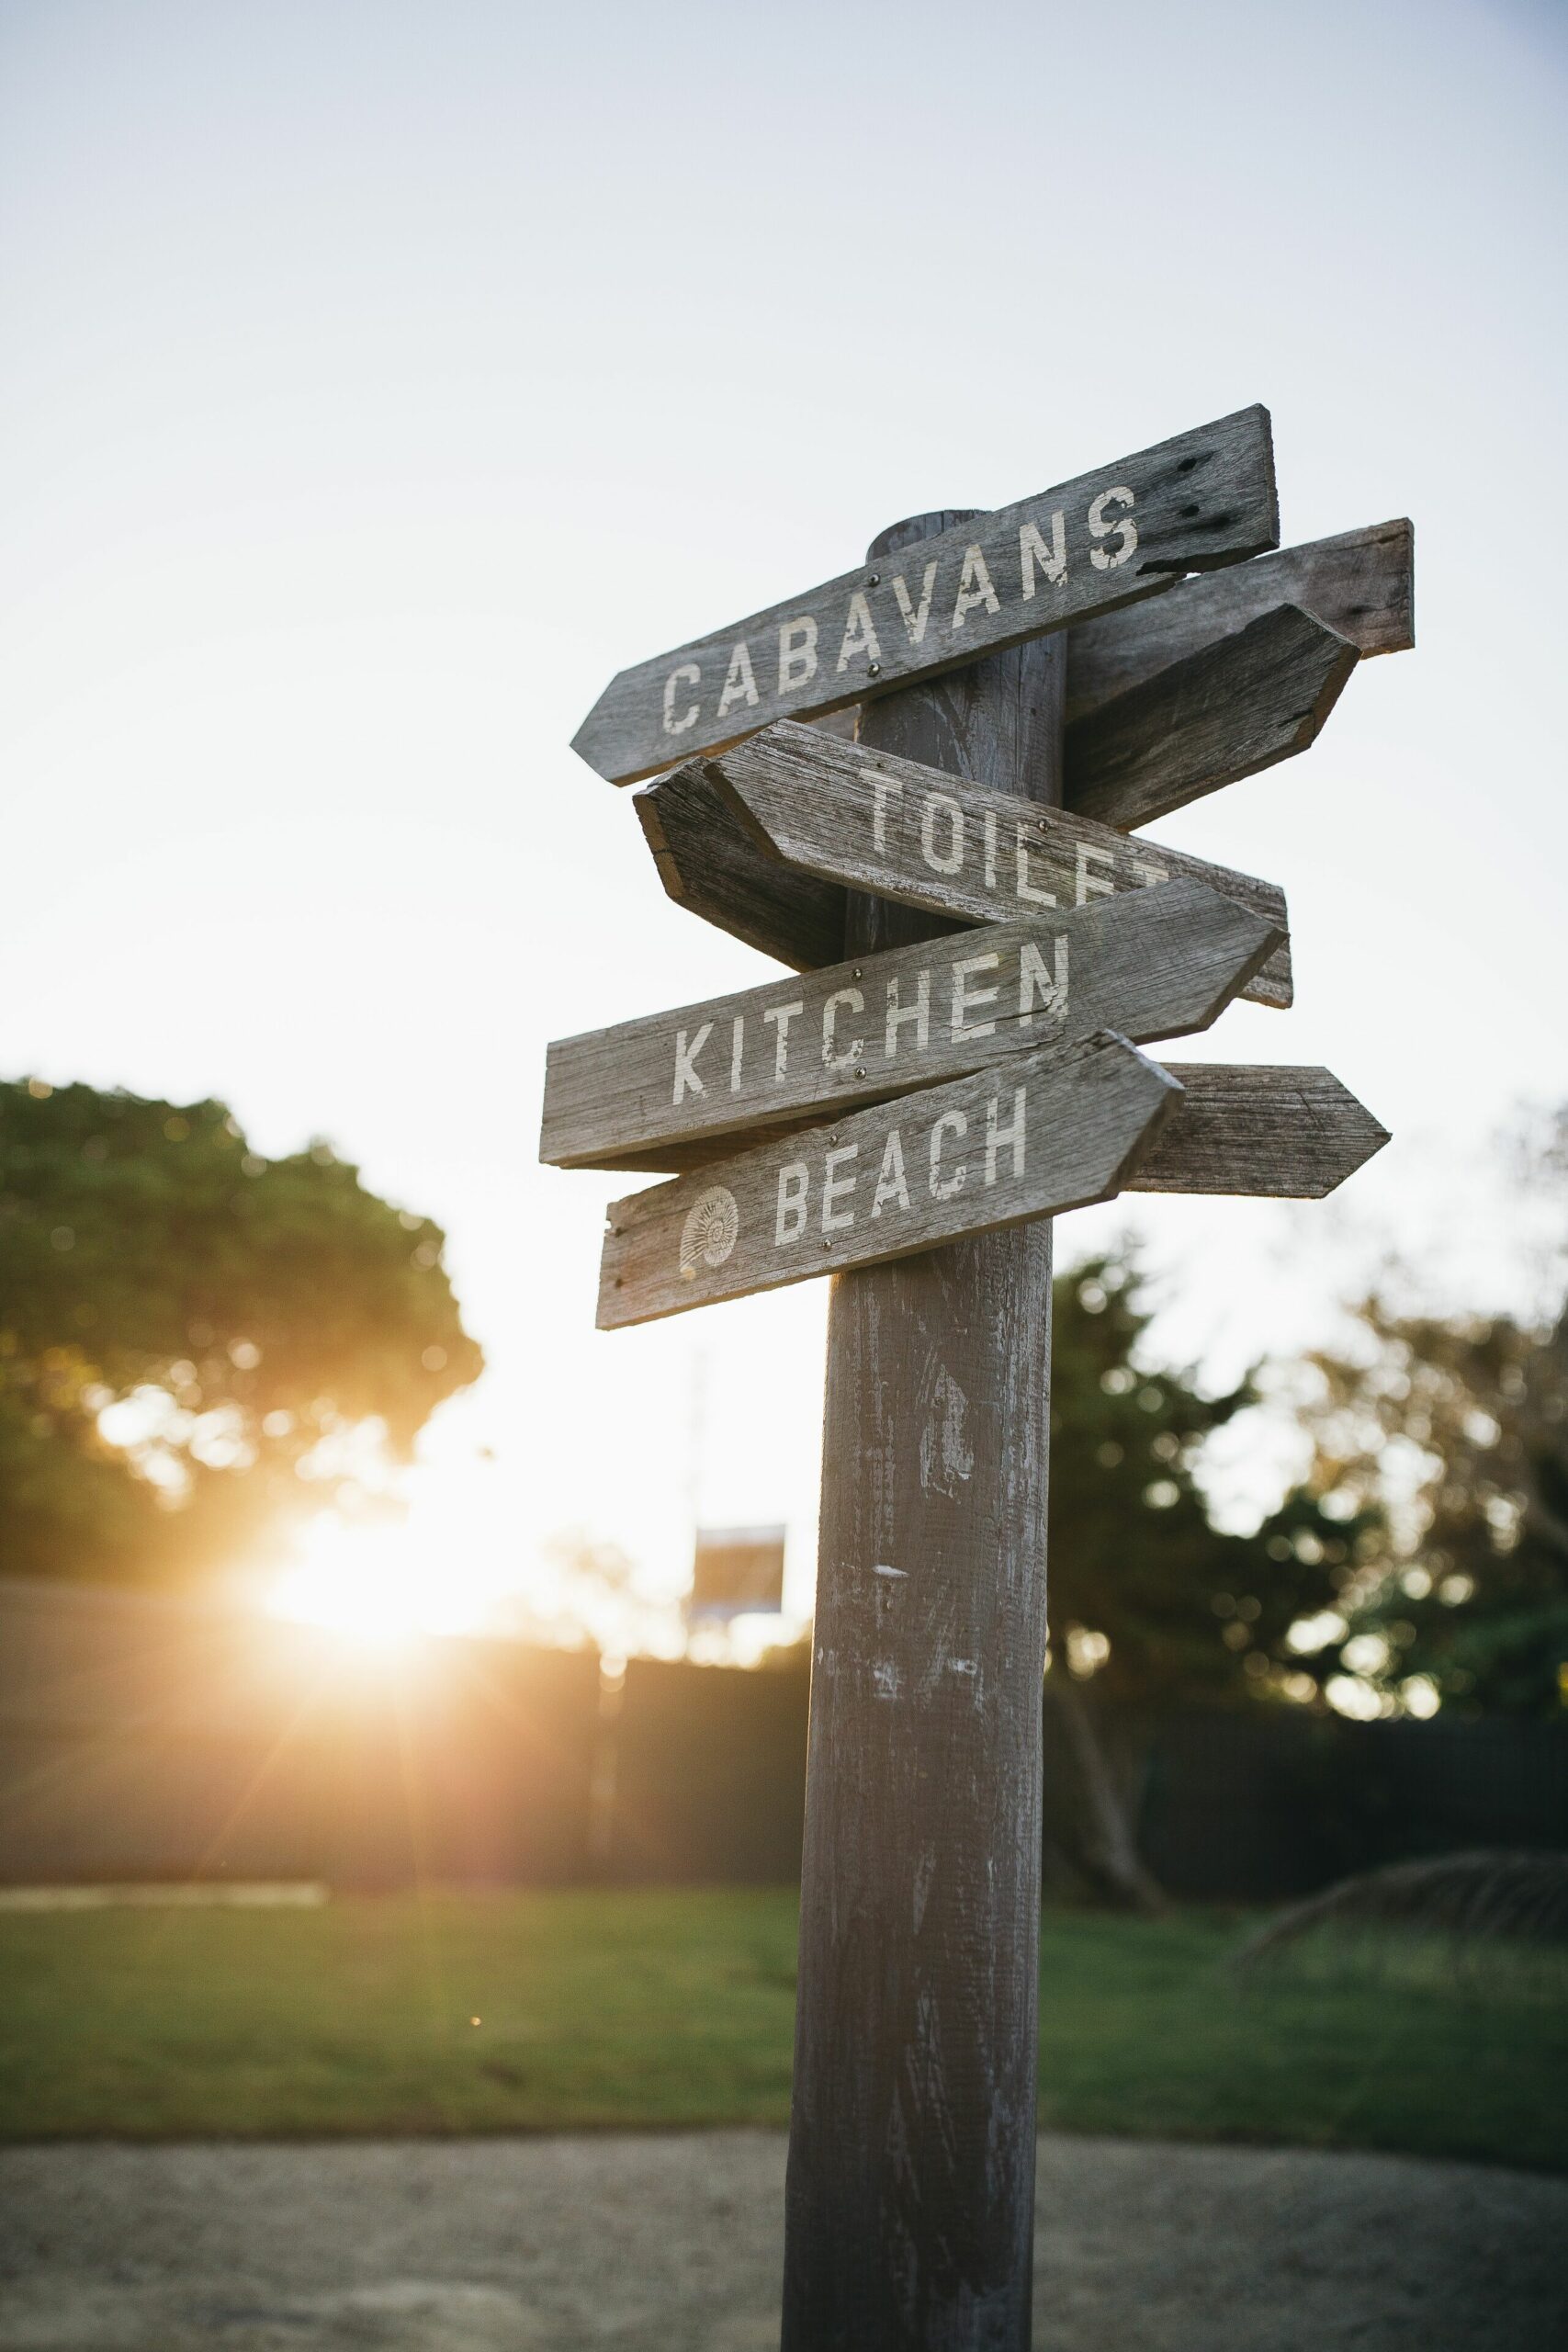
{"x": 1150, "y": 963}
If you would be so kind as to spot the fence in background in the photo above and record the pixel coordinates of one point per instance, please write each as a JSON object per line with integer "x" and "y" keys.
{"x": 149, "y": 1737}
{"x": 145, "y": 1737}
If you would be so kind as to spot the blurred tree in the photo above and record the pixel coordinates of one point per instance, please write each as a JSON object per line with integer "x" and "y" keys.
{"x": 196, "y": 1345}
{"x": 1148, "y": 1599}
{"x": 1151, "y": 1604}
{"x": 1457, "y": 1431}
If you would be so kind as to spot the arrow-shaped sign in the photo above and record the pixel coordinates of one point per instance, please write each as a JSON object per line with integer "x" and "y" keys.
{"x": 1048, "y": 1131}
{"x": 1242, "y": 703}
{"x": 871, "y": 821}
{"x": 1087, "y": 546}
{"x": 1272, "y": 1133}
{"x": 655, "y": 1093}
{"x": 1043, "y": 1133}
{"x": 1360, "y": 584}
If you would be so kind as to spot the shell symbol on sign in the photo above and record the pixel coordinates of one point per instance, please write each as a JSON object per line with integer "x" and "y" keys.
{"x": 708, "y": 1235}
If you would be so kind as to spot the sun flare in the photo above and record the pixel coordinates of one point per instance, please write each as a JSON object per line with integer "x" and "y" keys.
{"x": 380, "y": 1586}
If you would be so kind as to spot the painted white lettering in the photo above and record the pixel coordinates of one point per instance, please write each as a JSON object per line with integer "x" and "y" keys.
{"x": 688, "y": 675}
{"x": 686, "y": 1079}
{"x": 797, "y": 654}
{"x": 739, "y": 685}
{"x": 1036, "y": 978}
{"x": 860, "y": 633}
{"x": 997, "y": 1135}
{"x": 890, "y": 1184}
{"x": 1091, "y": 885}
{"x": 915, "y": 616}
{"x": 837, "y": 1188}
{"x": 736, "y": 1042}
{"x": 782, "y": 1015}
{"x": 789, "y": 1217}
{"x": 967, "y": 999}
{"x": 1032, "y": 550}
{"x": 885, "y": 789}
{"x": 1148, "y": 873}
{"x": 991, "y": 849}
{"x": 951, "y": 1123}
{"x": 920, "y": 1012}
{"x": 1126, "y": 530}
{"x": 944, "y": 804}
{"x": 974, "y": 587}
{"x": 852, "y": 1001}
{"x": 1026, "y": 887}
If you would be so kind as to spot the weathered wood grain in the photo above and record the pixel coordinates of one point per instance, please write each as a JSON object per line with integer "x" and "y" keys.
{"x": 909, "y": 2198}
{"x": 1272, "y": 1133}
{"x": 1241, "y": 705}
{"x": 1156, "y": 963}
{"x": 1050, "y": 1130}
{"x": 859, "y": 817}
{"x": 710, "y": 864}
{"x": 1360, "y": 584}
{"x": 1103, "y": 540}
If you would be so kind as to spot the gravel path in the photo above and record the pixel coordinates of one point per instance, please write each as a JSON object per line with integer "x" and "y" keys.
{"x": 672, "y": 2244}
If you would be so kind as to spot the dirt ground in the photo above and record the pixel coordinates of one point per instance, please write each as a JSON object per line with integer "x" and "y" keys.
{"x": 665, "y": 2243}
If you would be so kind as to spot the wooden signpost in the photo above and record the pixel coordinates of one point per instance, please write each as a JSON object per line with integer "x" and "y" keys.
{"x": 984, "y": 950}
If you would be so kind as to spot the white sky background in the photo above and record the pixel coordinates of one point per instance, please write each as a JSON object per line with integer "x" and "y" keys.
{"x": 379, "y": 379}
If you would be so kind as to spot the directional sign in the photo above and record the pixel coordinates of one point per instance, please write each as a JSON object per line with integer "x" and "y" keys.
{"x": 1360, "y": 584}
{"x": 1087, "y": 546}
{"x": 1046, "y": 1131}
{"x": 1049, "y": 1131}
{"x": 1276, "y": 1134}
{"x": 873, "y": 821}
{"x": 1157, "y": 963}
{"x": 1241, "y": 704}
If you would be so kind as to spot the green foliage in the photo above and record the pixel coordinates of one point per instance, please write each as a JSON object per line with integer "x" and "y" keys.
{"x": 1457, "y": 1429}
{"x": 1189, "y": 1612}
{"x": 237, "y": 1319}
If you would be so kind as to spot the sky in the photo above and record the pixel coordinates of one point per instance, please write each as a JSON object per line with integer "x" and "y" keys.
{"x": 380, "y": 379}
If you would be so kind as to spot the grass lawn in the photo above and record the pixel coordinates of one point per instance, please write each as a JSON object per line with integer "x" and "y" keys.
{"x": 455, "y": 2013}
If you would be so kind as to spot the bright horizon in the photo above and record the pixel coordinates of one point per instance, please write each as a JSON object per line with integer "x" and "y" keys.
{"x": 379, "y": 385}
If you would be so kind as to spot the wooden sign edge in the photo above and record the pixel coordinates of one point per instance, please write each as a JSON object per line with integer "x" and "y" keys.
{"x": 1206, "y": 1084}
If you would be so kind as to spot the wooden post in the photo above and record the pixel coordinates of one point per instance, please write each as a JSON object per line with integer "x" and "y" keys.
{"x": 910, "y": 2208}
